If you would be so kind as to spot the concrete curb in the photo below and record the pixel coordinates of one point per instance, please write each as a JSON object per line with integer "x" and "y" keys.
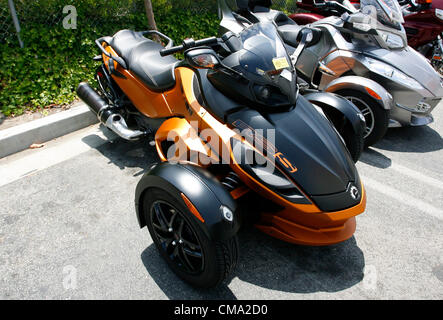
{"x": 20, "y": 137}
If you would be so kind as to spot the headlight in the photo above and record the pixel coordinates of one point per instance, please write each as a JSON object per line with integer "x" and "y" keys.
{"x": 439, "y": 13}
{"x": 390, "y": 72}
{"x": 394, "y": 41}
{"x": 266, "y": 172}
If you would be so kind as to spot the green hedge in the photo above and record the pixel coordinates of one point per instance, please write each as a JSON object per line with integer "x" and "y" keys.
{"x": 55, "y": 60}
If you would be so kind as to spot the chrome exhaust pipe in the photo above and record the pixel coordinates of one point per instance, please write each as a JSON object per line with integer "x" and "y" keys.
{"x": 106, "y": 114}
{"x": 116, "y": 123}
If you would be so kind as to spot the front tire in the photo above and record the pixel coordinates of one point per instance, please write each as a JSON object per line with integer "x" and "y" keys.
{"x": 184, "y": 245}
{"x": 377, "y": 118}
{"x": 353, "y": 141}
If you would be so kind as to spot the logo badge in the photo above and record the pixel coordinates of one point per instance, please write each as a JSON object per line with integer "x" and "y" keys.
{"x": 355, "y": 194}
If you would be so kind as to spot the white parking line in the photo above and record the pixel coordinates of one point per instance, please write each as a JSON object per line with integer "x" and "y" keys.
{"x": 403, "y": 198}
{"x": 403, "y": 170}
{"x": 30, "y": 162}
{"x": 417, "y": 175}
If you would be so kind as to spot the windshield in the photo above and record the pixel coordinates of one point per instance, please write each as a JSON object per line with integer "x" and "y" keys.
{"x": 265, "y": 74}
{"x": 265, "y": 54}
{"x": 388, "y": 12}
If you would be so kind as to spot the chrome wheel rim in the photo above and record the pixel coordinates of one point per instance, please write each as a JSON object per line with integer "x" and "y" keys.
{"x": 177, "y": 238}
{"x": 367, "y": 113}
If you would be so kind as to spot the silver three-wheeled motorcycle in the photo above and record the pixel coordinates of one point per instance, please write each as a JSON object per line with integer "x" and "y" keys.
{"x": 362, "y": 55}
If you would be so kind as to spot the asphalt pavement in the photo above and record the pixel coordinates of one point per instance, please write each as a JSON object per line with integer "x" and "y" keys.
{"x": 68, "y": 228}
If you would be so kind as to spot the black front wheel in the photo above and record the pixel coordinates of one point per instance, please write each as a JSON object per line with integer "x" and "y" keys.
{"x": 184, "y": 245}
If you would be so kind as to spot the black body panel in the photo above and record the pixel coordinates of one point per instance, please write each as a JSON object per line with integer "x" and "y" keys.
{"x": 212, "y": 99}
{"x": 339, "y": 201}
{"x": 310, "y": 143}
{"x": 200, "y": 187}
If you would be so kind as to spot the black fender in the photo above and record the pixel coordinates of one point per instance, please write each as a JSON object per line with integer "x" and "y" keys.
{"x": 332, "y": 103}
{"x": 203, "y": 190}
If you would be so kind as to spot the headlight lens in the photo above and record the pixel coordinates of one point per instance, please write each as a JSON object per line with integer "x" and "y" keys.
{"x": 266, "y": 172}
{"x": 394, "y": 74}
{"x": 439, "y": 13}
{"x": 394, "y": 41}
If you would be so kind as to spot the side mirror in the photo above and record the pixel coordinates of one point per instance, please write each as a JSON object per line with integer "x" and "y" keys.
{"x": 306, "y": 37}
{"x": 202, "y": 58}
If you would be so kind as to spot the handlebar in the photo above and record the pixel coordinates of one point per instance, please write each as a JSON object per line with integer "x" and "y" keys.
{"x": 334, "y": 5}
{"x": 188, "y": 44}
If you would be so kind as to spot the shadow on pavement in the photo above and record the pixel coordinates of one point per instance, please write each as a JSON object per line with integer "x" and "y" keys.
{"x": 277, "y": 265}
{"x": 174, "y": 287}
{"x": 375, "y": 159}
{"x": 411, "y": 139}
{"x": 272, "y": 264}
{"x": 124, "y": 154}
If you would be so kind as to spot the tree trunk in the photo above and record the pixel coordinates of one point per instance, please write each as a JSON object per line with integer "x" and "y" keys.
{"x": 150, "y": 15}
{"x": 151, "y": 19}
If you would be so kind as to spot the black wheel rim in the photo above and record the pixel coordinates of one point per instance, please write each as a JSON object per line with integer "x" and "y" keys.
{"x": 177, "y": 238}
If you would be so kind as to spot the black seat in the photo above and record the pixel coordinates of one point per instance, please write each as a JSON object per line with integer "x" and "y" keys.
{"x": 143, "y": 58}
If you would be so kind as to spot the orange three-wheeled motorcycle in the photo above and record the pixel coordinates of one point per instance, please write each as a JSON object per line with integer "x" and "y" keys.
{"x": 235, "y": 140}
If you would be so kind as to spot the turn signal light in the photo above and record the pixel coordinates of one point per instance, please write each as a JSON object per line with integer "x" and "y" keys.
{"x": 191, "y": 208}
{"x": 206, "y": 61}
{"x": 372, "y": 93}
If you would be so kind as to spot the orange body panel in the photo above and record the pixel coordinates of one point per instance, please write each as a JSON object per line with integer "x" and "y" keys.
{"x": 316, "y": 229}
{"x": 151, "y": 104}
{"x": 187, "y": 144}
{"x": 293, "y": 233}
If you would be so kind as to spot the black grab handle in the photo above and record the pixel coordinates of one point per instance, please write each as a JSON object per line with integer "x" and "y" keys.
{"x": 119, "y": 60}
{"x": 161, "y": 35}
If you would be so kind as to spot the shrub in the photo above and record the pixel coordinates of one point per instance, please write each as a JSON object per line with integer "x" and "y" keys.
{"x": 55, "y": 60}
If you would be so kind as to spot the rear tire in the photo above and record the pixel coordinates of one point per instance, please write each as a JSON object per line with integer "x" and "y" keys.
{"x": 377, "y": 118}
{"x": 218, "y": 258}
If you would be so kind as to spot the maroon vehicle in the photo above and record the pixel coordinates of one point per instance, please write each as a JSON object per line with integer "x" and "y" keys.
{"x": 423, "y": 22}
